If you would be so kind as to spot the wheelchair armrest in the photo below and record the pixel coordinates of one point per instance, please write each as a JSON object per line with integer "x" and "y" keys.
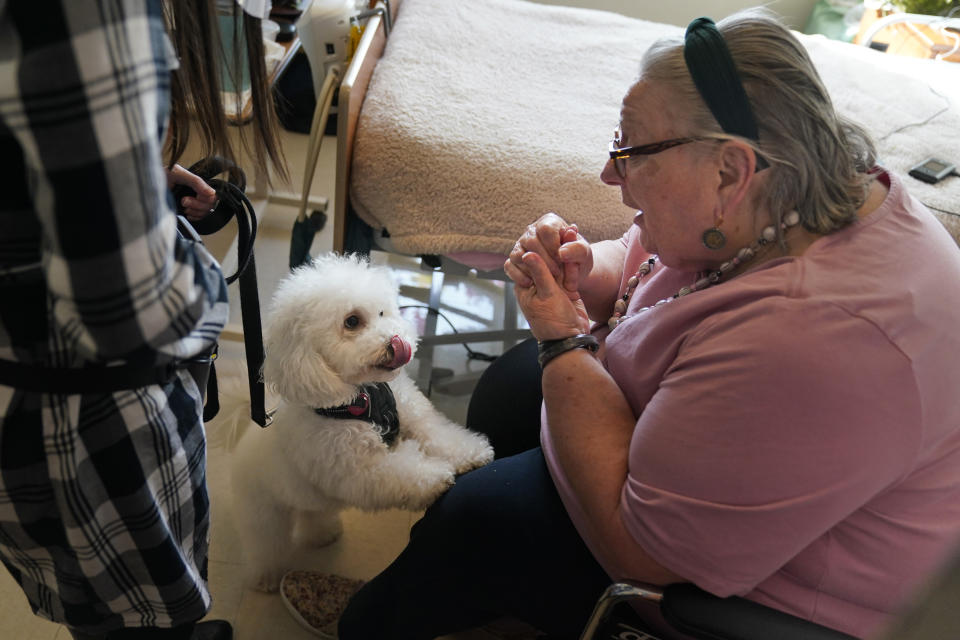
{"x": 703, "y": 615}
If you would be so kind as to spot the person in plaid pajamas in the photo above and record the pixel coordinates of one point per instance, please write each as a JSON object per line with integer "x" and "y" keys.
{"x": 104, "y": 512}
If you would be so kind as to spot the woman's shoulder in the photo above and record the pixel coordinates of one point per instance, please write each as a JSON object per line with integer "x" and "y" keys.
{"x": 896, "y": 267}
{"x": 900, "y": 222}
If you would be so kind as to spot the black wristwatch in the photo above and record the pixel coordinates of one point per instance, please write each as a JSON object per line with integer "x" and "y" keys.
{"x": 547, "y": 350}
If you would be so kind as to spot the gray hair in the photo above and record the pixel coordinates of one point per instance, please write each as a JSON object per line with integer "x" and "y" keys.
{"x": 818, "y": 158}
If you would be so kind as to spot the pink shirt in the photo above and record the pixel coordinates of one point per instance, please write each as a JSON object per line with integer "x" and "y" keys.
{"x": 798, "y": 430}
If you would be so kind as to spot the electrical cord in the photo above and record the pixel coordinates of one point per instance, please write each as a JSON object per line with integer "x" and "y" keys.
{"x": 923, "y": 122}
{"x": 471, "y": 354}
{"x": 945, "y": 108}
{"x": 953, "y": 213}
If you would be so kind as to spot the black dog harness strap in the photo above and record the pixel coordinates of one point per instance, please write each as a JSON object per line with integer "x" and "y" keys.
{"x": 375, "y": 404}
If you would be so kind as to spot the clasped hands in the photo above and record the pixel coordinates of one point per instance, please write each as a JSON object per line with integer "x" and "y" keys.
{"x": 546, "y": 265}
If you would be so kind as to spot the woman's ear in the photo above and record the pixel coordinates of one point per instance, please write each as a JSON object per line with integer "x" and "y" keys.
{"x": 737, "y": 166}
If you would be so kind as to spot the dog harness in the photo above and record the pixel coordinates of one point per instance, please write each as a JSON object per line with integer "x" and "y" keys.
{"x": 375, "y": 403}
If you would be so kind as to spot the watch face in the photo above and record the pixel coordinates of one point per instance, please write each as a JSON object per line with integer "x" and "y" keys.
{"x": 934, "y": 165}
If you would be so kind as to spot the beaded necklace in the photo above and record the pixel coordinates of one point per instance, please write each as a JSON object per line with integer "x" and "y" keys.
{"x": 710, "y": 278}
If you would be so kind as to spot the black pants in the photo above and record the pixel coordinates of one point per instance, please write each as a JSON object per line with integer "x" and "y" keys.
{"x": 506, "y": 402}
{"x": 498, "y": 543}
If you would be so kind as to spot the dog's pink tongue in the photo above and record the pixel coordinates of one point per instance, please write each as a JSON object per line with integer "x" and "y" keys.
{"x": 401, "y": 352}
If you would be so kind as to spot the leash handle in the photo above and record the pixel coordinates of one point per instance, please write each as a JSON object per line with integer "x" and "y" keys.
{"x": 232, "y": 203}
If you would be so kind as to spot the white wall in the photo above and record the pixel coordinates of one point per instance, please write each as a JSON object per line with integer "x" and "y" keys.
{"x": 680, "y": 12}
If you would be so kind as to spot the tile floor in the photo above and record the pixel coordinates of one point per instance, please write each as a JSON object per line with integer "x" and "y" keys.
{"x": 369, "y": 541}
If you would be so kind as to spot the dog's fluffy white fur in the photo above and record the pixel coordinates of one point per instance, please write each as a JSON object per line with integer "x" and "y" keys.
{"x": 334, "y": 325}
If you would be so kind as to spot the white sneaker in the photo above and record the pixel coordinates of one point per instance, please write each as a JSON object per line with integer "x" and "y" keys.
{"x": 316, "y": 599}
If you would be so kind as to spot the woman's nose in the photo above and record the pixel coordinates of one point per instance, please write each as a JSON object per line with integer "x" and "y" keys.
{"x": 609, "y": 174}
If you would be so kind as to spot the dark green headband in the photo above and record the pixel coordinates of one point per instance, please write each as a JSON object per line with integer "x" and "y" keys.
{"x": 715, "y": 76}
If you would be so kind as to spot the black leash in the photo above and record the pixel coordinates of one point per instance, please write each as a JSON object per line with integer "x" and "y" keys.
{"x": 233, "y": 204}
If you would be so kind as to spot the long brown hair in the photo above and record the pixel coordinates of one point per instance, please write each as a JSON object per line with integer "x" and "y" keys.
{"x": 196, "y": 86}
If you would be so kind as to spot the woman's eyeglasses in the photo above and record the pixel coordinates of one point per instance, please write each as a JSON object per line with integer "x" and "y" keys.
{"x": 620, "y": 154}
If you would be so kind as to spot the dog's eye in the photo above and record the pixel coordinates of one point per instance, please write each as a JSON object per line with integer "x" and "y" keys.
{"x": 352, "y": 322}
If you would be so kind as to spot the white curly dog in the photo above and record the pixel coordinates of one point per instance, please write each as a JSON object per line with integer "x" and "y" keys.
{"x": 341, "y": 437}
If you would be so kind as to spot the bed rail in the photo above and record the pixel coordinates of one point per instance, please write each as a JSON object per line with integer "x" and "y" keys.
{"x": 353, "y": 87}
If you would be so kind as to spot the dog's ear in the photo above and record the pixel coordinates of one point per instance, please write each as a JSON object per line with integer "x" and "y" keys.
{"x": 297, "y": 372}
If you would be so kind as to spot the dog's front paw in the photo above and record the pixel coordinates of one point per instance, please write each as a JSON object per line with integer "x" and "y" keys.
{"x": 469, "y": 450}
{"x": 435, "y": 478}
{"x": 463, "y": 449}
{"x": 478, "y": 454}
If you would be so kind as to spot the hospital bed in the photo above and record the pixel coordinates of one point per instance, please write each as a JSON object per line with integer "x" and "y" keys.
{"x": 471, "y": 119}
{"x": 476, "y": 117}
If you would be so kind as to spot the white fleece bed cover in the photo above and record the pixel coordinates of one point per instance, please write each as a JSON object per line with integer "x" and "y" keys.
{"x": 483, "y": 115}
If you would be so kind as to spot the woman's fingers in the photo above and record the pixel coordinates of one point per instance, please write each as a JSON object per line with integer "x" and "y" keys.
{"x": 543, "y": 280}
{"x": 546, "y": 243}
{"x": 551, "y": 312}
{"x": 205, "y": 198}
{"x": 195, "y": 209}
{"x": 543, "y": 238}
{"x": 571, "y": 278}
{"x": 179, "y": 175}
{"x": 574, "y": 253}
{"x": 515, "y": 273}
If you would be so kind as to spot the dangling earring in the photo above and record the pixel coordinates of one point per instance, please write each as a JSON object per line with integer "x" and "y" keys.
{"x": 713, "y": 238}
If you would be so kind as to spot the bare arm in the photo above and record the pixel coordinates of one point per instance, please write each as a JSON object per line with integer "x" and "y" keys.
{"x": 591, "y": 423}
{"x": 591, "y": 426}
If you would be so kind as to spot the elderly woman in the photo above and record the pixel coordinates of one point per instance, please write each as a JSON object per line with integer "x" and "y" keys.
{"x": 754, "y": 389}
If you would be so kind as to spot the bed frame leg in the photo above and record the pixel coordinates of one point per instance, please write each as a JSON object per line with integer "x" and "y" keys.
{"x": 425, "y": 352}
